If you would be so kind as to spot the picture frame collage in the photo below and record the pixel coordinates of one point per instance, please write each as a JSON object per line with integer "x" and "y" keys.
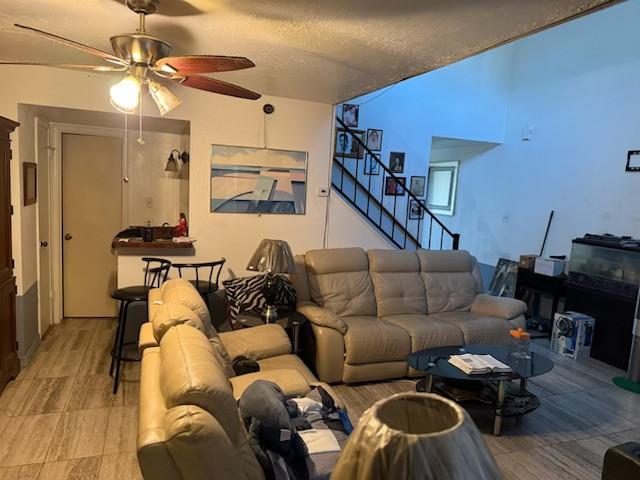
{"x": 394, "y": 187}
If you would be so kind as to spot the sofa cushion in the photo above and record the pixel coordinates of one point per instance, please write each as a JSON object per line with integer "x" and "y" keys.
{"x": 477, "y": 328}
{"x": 180, "y": 291}
{"x": 396, "y": 282}
{"x": 191, "y": 373}
{"x": 448, "y": 279}
{"x": 339, "y": 281}
{"x": 426, "y": 331}
{"x": 299, "y": 279}
{"x": 289, "y": 361}
{"x": 370, "y": 339}
{"x": 292, "y": 383}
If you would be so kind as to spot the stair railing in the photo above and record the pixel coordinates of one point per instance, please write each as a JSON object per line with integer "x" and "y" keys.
{"x": 402, "y": 227}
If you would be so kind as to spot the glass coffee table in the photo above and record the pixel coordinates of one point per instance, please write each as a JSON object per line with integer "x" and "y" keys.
{"x": 434, "y": 362}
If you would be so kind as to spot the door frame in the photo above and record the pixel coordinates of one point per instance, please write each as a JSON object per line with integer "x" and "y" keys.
{"x": 40, "y": 122}
{"x": 57, "y": 130}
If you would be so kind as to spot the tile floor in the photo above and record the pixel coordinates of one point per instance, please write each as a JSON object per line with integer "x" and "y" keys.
{"x": 59, "y": 419}
{"x": 581, "y": 415}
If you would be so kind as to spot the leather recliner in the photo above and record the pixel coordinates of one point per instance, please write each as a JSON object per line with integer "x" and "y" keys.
{"x": 370, "y": 310}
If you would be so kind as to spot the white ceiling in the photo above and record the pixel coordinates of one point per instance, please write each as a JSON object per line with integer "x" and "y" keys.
{"x": 320, "y": 50}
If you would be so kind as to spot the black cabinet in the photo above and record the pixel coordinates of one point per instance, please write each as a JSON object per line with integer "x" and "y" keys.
{"x": 614, "y": 321}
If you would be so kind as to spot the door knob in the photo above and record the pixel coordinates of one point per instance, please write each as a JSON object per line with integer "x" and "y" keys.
{"x": 44, "y": 244}
{"x": 68, "y": 236}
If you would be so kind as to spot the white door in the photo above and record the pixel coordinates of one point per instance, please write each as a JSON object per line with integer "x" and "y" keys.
{"x": 91, "y": 216}
{"x": 43, "y": 182}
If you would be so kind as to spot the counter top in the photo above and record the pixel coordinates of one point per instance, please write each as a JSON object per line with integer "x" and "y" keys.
{"x": 155, "y": 244}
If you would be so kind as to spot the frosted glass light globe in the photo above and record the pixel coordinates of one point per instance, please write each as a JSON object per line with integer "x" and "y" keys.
{"x": 125, "y": 93}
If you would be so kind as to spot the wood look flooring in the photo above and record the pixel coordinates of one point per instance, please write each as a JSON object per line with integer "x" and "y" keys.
{"x": 59, "y": 419}
{"x": 581, "y": 415}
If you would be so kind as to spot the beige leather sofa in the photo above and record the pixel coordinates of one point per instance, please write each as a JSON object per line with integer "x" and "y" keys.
{"x": 188, "y": 426}
{"x": 370, "y": 310}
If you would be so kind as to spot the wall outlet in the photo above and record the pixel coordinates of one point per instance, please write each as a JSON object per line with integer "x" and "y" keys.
{"x": 148, "y": 202}
{"x": 323, "y": 191}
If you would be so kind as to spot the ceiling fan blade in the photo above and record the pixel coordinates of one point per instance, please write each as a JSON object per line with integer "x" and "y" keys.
{"x": 216, "y": 86}
{"x": 66, "y": 66}
{"x": 71, "y": 43}
{"x": 190, "y": 64}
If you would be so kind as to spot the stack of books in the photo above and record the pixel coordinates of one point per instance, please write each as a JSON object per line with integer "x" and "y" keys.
{"x": 472, "y": 364}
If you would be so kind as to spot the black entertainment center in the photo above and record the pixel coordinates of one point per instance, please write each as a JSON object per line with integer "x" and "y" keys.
{"x": 604, "y": 274}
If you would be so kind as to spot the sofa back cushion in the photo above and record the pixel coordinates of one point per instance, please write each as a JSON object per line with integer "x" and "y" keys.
{"x": 192, "y": 373}
{"x": 300, "y": 280}
{"x": 168, "y": 315}
{"x": 180, "y": 291}
{"x": 397, "y": 283}
{"x": 448, "y": 279}
{"x": 339, "y": 281}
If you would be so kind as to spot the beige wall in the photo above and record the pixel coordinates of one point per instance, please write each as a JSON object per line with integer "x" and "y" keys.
{"x": 296, "y": 125}
{"x": 167, "y": 191}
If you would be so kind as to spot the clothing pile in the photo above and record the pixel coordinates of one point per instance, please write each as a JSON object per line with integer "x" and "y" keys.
{"x": 295, "y": 439}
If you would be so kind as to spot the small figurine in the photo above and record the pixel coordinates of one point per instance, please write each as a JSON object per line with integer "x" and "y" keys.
{"x": 182, "y": 229}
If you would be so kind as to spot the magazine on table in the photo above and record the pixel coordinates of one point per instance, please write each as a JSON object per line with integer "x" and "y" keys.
{"x": 474, "y": 364}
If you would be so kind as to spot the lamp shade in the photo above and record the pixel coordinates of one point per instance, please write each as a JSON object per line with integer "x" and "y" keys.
{"x": 272, "y": 256}
{"x": 419, "y": 436}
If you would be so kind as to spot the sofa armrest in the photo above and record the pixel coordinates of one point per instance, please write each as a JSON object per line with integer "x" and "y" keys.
{"x": 256, "y": 343}
{"x": 500, "y": 307}
{"x": 322, "y": 317}
{"x": 146, "y": 338}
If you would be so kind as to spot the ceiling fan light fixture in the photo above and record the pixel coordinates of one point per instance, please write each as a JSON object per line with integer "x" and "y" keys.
{"x": 125, "y": 94}
{"x": 165, "y": 100}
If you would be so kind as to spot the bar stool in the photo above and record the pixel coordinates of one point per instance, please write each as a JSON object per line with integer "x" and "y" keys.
{"x": 204, "y": 286}
{"x": 155, "y": 272}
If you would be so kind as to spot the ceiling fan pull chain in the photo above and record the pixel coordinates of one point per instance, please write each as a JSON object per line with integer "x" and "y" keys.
{"x": 140, "y": 139}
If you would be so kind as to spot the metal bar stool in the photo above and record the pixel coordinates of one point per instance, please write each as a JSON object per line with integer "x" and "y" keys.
{"x": 204, "y": 283}
{"x": 155, "y": 272}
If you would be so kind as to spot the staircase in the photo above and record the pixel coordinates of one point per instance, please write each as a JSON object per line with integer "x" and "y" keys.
{"x": 403, "y": 219}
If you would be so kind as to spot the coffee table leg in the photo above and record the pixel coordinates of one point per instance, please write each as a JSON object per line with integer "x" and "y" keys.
{"x": 523, "y": 384}
{"x": 428, "y": 386}
{"x": 497, "y": 422}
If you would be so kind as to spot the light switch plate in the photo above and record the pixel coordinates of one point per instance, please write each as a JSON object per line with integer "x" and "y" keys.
{"x": 323, "y": 191}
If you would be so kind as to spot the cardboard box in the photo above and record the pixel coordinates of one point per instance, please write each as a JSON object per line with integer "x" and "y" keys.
{"x": 549, "y": 266}
{"x": 527, "y": 261}
{"x": 572, "y": 334}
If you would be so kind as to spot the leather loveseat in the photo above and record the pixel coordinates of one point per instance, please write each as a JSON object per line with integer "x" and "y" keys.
{"x": 370, "y": 310}
{"x": 188, "y": 425}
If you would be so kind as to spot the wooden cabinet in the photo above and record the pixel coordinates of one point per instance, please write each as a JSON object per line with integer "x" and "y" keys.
{"x": 9, "y": 364}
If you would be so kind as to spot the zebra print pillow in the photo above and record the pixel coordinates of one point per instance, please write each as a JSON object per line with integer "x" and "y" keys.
{"x": 245, "y": 295}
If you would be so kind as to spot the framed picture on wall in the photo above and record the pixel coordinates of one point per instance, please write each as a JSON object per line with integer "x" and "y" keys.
{"x": 374, "y": 139}
{"x": 416, "y": 212}
{"x": 396, "y": 162}
{"x": 350, "y": 115}
{"x": 371, "y": 165}
{"x": 393, "y": 187}
{"x": 347, "y": 146}
{"x": 257, "y": 180}
{"x": 30, "y": 182}
{"x": 417, "y": 185}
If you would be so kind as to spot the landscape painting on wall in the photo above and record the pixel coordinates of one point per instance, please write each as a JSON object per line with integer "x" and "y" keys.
{"x": 258, "y": 180}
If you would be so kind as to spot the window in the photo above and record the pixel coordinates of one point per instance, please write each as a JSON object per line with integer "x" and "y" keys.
{"x": 441, "y": 187}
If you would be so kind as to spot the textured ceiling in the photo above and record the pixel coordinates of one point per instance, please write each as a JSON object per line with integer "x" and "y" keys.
{"x": 320, "y": 50}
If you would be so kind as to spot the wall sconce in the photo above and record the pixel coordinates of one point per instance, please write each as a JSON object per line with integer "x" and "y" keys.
{"x": 172, "y": 162}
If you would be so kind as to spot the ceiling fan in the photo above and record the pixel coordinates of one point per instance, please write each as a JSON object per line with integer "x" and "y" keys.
{"x": 145, "y": 59}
